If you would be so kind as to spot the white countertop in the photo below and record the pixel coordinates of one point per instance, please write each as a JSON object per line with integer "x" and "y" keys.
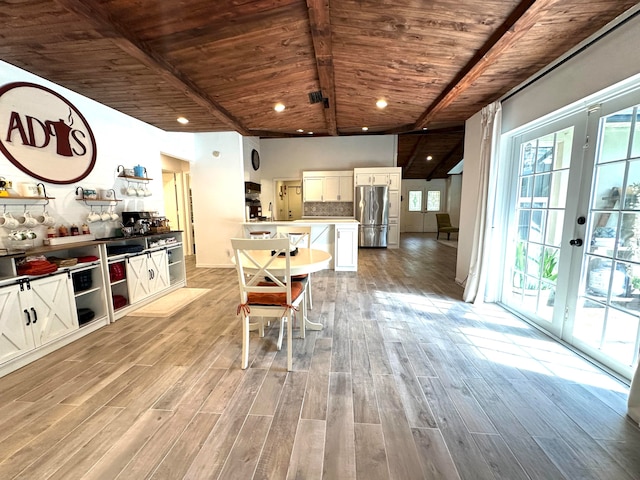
{"x": 310, "y": 221}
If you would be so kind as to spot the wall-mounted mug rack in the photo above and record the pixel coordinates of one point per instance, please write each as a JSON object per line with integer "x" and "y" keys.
{"x": 27, "y": 200}
{"x": 127, "y": 174}
{"x": 91, "y": 200}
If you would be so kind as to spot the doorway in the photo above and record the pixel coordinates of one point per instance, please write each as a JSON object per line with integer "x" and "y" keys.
{"x": 177, "y": 198}
{"x": 424, "y": 200}
{"x": 288, "y": 200}
{"x": 573, "y": 263}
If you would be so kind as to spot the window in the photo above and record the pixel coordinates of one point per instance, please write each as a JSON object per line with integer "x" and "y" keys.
{"x": 415, "y": 200}
{"x": 433, "y": 201}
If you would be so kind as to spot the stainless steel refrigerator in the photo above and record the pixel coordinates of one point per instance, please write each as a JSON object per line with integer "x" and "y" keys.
{"x": 372, "y": 211}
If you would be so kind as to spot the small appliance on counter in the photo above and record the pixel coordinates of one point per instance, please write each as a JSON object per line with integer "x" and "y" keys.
{"x": 139, "y": 221}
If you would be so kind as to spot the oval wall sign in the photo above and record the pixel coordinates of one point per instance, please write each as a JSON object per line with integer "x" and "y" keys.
{"x": 44, "y": 135}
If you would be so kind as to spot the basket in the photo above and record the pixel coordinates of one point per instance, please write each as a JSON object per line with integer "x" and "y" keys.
{"x": 82, "y": 280}
{"x": 119, "y": 301}
{"x": 85, "y": 315}
{"x": 116, "y": 272}
{"x": 63, "y": 262}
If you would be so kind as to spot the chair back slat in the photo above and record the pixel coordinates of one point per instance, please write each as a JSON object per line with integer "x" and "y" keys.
{"x": 298, "y": 236}
{"x": 256, "y": 254}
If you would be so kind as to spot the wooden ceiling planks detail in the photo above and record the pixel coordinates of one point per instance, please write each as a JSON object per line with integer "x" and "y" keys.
{"x": 224, "y": 64}
{"x": 507, "y": 35}
{"x": 101, "y": 21}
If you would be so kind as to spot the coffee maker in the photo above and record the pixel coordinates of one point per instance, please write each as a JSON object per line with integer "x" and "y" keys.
{"x": 140, "y": 221}
{"x": 252, "y": 201}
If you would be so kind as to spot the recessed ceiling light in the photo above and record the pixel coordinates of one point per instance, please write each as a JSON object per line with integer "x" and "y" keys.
{"x": 429, "y": 158}
{"x": 310, "y": 133}
{"x": 300, "y": 130}
{"x": 279, "y": 107}
{"x": 382, "y": 103}
{"x": 424, "y": 128}
{"x": 182, "y": 120}
{"x": 364, "y": 129}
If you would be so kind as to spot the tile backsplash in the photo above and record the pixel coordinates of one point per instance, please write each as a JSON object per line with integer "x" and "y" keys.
{"x": 328, "y": 209}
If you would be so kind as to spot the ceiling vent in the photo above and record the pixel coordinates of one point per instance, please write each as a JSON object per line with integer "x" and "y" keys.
{"x": 315, "y": 97}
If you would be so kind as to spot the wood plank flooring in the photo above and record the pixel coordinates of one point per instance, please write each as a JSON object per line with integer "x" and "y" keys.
{"x": 405, "y": 381}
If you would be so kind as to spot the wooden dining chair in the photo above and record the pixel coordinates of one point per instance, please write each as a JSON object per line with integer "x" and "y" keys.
{"x": 280, "y": 297}
{"x": 299, "y": 237}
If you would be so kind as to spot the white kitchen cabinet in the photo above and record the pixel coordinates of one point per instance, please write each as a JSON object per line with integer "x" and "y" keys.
{"x": 393, "y": 240}
{"x": 363, "y": 178}
{"x": 34, "y": 313}
{"x": 394, "y": 203}
{"x": 394, "y": 181}
{"x": 346, "y": 188}
{"x": 313, "y": 189}
{"x": 159, "y": 267}
{"x": 346, "y": 247}
{"x": 380, "y": 179}
{"x": 327, "y": 186}
{"x": 338, "y": 188}
{"x": 16, "y": 337}
{"x": 51, "y": 303}
{"x": 147, "y": 273}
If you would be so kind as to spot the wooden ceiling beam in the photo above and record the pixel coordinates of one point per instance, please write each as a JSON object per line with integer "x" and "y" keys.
{"x": 444, "y": 163}
{"x": 414, "y": 153}
{"x": 521, "y": 20}
{"x": 320, "y": 23}
{"x": 99, "y": 19}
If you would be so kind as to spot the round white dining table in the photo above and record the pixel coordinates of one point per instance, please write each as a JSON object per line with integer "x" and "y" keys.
{"x": 307, "y": 260}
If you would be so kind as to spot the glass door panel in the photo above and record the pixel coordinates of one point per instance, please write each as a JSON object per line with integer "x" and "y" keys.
{"x": 606, "y": 324}
{"x": 541, "y": 200}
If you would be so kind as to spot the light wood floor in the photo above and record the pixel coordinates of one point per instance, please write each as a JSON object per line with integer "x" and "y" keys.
{"x": 405, "y": 381}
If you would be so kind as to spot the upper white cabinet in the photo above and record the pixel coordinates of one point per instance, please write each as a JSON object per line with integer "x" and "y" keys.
{"x": 312, "y": 189}
{"x": 394, "y": 181}
{"x": 328, "y": 186}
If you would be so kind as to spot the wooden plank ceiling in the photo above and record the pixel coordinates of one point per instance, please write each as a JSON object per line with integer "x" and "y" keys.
{"x": 225, "y": 64}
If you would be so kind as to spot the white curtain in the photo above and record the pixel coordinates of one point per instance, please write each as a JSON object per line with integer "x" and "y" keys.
{"x": 633, "y": 404}
{"x": 491, "y": 118}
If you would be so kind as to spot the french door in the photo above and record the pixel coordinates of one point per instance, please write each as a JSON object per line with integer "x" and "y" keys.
{"x": 573, "y": 265}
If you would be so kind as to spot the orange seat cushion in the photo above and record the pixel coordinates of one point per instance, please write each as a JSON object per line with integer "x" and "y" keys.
{"x": 277, "y": 299}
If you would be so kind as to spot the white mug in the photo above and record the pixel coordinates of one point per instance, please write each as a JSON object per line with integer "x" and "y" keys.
{"x": 93, "y": 217}
{"x": 140, "y": 191}
{"x": 114, "y": 217}
{"x": 132, "y": 190}
{"x": 105, "y": 216}
{"x": 147, "y": 192}
{"x": 46, "y": 219}
{"x": 7, "y": 221}
{"x": 26, "y": 220}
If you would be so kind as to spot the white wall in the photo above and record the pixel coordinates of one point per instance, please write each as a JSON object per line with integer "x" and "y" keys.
{"x": 120, "y": 140}
{"x": 287, "y": 158}
{"x": 612, "y": 59}
{"x": 454, "y": 193}
{"x": 218, "y": 196}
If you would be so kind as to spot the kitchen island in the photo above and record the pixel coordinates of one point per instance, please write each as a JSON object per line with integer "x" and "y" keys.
{"x": 336, "y": 235}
